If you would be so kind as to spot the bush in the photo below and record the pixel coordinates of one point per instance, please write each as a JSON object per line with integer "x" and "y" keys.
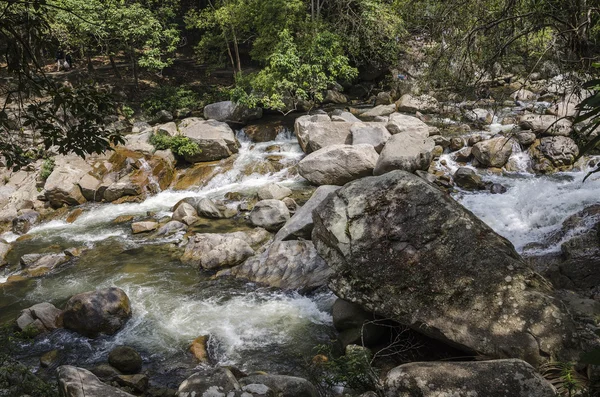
{"x": 180, "y": 145}
{"x": 170, "y": 98}
{"x": 47, "y": 168}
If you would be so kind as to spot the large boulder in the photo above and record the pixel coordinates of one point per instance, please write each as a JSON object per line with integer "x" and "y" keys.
{"x": 231, "y": 112}
{"x": 42, "y": 317}
{"x": 215, "y": 139}
{"x": 61, "y": 187}
{"x": 406, "y": 151}
{"x": 301, "y": 224}
{"x": 400, "y": 247}
{"x": 374, "y": 134}
{"x": 553, "y": 153}
{"x": 269, "y": 214}
{"x": 92, "y": 313}
{"x": 546, "y": 125}
{"x": 493, "y": 152}
{"x": 79, "y": 382}
{"x": 211, "y": 250}
{"x": 338, "y": 164}
{"x": 290, "y": 265}
{"x": 318, "y": 131}
{"x": 499, "y": 378}
{"x": 399, "y": 123}
{"x": 424, "y": 104}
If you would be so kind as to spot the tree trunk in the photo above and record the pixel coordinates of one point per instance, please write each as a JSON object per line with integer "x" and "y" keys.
{"x": 134, "y": 66}
{"x": 114, "y": 66}
{"x": 237, "y": 51}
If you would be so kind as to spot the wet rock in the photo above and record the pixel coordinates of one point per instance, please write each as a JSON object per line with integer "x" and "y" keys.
{"x": 483, "y": 293}
{"x": 73, "y": 215}
{"x": 37, "y": 265}
{"x": 301, "y": 224}
{"x": 104, "y": 311}
{"x": 124, "y": 187}
{"x": 374, "y": 134}
{"x": 23, "y": 223}
{"x": 185, "y": 213}
{"x": 526, "y": 138}
{"x": 464, "y": 155}
{"x": 424, "y": 104}
{"x": 468, "y": 179}
{"x": 206, "y": 208}
{"x": 496, "y": 188}
{"x": 399, "y": 123}
{"x": 211, "y": 250}
{"x": 79, "y": 382}
{"x": 288, "y": 265}
{"x": 48, "y": 317}
{"x": 215, "y": 139}
{"x": 231, "y": 112}
{"x": 199, "y": 348}
{"x": 405, "y": 151}
{"x": 480, "y": 116}
{"x": 283, "y": 386}
{"x": 380, "y": 110}
{"x": 557, "y": 153}
{"x": 49, "y": 359}
{"x": 138, "y": 382}
{"x": 494, "y": 152}
{"x": 269, "y": 214}
{"x": 170, "y": 228}
{"x": 144, "y": 227}
{"x": 318, "y": 131}
{"x": 105, "y": 372}
{"x": 546, "y": 125}
{"x": 125, "y": 359}
{"x": 273, "y": 191}
{"x": 217, "y": 382}
{"x": 264, "y": 131}
{"x": 456, "y": 143}
{"x": 500, "y": 378}
{"x": 338, "y": 164}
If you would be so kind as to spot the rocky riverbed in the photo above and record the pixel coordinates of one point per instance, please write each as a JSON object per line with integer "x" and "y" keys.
{"x": 459, "y": 231}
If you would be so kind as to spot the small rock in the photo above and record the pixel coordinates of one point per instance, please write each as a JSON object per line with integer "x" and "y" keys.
{"x": 269, "y": 214}
{"x": 125, "y": 359}
{"x": 199, "y": 348}
{"x": 136, "y": 382}
{"x": 144, "y": 227}
{"x": 468, "y": 179}
{"x": 273, "y": 191}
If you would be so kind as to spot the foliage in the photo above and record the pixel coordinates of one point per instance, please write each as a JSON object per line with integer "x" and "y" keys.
{"x": 47, "y": 168}
{"x": 170, "y": 98}
{"x": 298, "y": 71}
{"x": 589, "y": 117}
{"x": 564, "y": 377}
{"x": 352, "y": 370}
{"x": 180, "y": 145}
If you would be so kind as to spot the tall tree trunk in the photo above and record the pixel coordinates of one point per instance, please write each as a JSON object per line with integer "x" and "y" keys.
{"x": 237, "y": 51}
{"x": 134, "y": 66}
{"x": 114, "y": 66}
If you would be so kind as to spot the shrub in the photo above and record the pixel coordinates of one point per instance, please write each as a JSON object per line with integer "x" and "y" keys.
{"x": 171, "y": 99}
{"x": 47, "y": 168}
{"x": 180, "y": 145}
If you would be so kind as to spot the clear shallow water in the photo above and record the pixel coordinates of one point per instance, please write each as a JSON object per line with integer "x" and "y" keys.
{"x": 252, "y": 328}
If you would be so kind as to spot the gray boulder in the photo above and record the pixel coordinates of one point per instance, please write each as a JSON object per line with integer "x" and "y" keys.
{"x": 79, "y": 382}
{"x": 499, "y": 378}
{"x": 185, "y": 213}
{"x": 288, "y": 265}
{"x": 61, "y": 187}
{"x": 269, "y": 214}
{"x": 37, "y": 265}
{"x": 338, "y": 164}
{"x": 424, "y": 104}
{"x": 554, "y": 153}
{"x": 283, "y": 386}
{"x": 228, "y": 111}
{"x": 42, "y": 316}
{"x": 104, "y": 311}
{"x": 468, "y": 179}
{"x": 124, "y": 187}
{"x": 215, "y": 139}
{"x": 301, "y": 224}
{"x": 390, "y": 234}
{"x": 374, "y": 134}
{"x": 171, "y": 227}
{"x": 493, "y": 152}
{"x": 219, "y": 382}
{"x": 377, "y": 111}
{"x": 344, "y": 116}
{"x": 399, "y": 123}
{"x": 125, "y": 359}
{"x": 273, "y": 191}
{"x": 211, "y": 250}
{"x": 23, "y": 223}
{"x": 406, "y": 151}
{"x": 547, "y": 125}
{"x": 318, "y": 131}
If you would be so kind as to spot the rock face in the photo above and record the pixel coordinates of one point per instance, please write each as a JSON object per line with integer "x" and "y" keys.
{"x": 231, "y": 112}
{"x": 546, "y": 125}
{"x": 553, "y": 154}
{"x": 401, "y": 248}
{"x": 290, "y": 264}
{"x": 374, "y": 134}
{"x": 500, "y": 378}
{"x": 494, "y": 152}
{"x": 104, "y": 311}
{"x": 270, "y": 214}
{"x": 301, "y": 224}
{"x": 79, "y": 382}
{"x": 338, "y": 164}
{"x": 406, "y": 151}
{"x": 318, "y": 131}
{"x": 216, "y": 139}
{"x": 211, "y": 250}
{"x": 399, "y": 123}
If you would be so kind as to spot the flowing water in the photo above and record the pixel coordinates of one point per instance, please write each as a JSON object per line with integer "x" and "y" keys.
{"x": 252, "y": 328}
